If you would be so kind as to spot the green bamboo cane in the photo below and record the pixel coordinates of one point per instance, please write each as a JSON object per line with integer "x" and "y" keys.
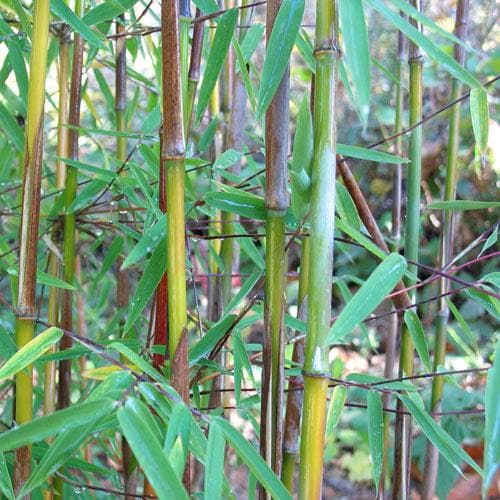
{"x": 69, "y": 242}
{"x": 395, "y": 324}
{"x": 173, "y": 156}
{"x": 49, "y": 401}
{"x": 446, "y": 249}
{"x": 291, "y": 430}
{"x": 277, "y": 202}
{"x": 402, "y": 449}
{"x": 122, "y": 275}
{"x": 26, "y": 300}
{"x": 322, "y": 212}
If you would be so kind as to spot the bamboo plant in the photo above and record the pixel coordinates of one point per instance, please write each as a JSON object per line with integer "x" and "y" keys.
{"x": 277, "y": 202}
{"x": 316, "y": 364}
{"x": 402, "y": 449}
{"x": 32, "y": 175}
{"x": 446, "y": 247}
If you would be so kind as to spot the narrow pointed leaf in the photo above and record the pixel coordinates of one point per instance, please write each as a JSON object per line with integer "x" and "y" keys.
{"x": 218, "y": 52}
{"x": 492, "y": 423}
{"x": 139, "y": 428}
{"x": 380, "y": 283}
{"x": 357, "y": 53}
{"x": 480, "y": 117}
{"x": 153, "y": 273}
{"x": 214, "y": 465}
{"x": 432, "y": 50}
{"x": 461, "y": 205}
{"x": 251, "y": 458}
{"x": 446, "y": 445}
{"x": 55, "y": 423}
{"x": 30, "y": 352}
{"x": 279, "y": 47}
{"x": 5, "y": 482}
{"x": 418, "y": 336}
{"x": 369, "y": 154}
{"x": 375, "y": 433}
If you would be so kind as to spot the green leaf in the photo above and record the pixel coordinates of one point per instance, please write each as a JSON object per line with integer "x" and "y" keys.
{"x": 12, "y": 130}
{"x": 357, "y": 52}
{"x": 214, "y": 465}
{"x": 101, "y": 173}
{"x": 369, "y": 154}
{"x": 151, "y": 239}
{"x": 302, "y": 153}
{"x": 250, "y": 456}
{"x": 137, "y": 361}
{"x": 480, "y": 117}
{"x": 493, "y": 278}
{"x": 227, "y": 159}
{"x": 63, "y": 12}
{"x": 447, "y": 446}
{"x": 432, "y": 50}
{"x": 380, "y": 283}
{"x": 30, "y": 352}
{"x": 241, "y": 203}
{"x": 492, "y": 423}
{"x": 245, "y": 289}
{"x": 345, "y": 207}
{"x": 375, "y": 433}
{"x": 46, "y": 279}
{"x": 86, "y": 195}
{"x": 141, "y": 432}
{"x": 491, "y": 304}
{"x": 463, "y": 205}
{"x": 210, "y": 339}
{"x": 252, "y": 38}
{"x": 55, "y": 423}
{"x": 153, "y": 273}
{"x": 242, "y": 68}
{"x": 218, "y": 52}
{"x": 418, "y": 336}
{"x": 207, "y": 6}
{"x": 107, "y": 11}
{"x": 5, "y": 482}
{"x": 279, "y": 47}
{"x": 335, "y": 408}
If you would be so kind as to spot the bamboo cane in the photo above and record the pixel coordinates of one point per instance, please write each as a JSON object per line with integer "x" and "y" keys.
{"x": 277, "y": 202}
{"x": 446, "y": 249}
{"x": 402, "y": 449}
{"x": 32, "y": 175}
{"x": 322, "y": 211}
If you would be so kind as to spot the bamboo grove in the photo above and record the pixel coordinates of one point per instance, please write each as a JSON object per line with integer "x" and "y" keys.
{"x": 226, "y": 270}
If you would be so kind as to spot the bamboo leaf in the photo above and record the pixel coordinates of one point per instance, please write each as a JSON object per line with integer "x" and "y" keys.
{"x": 448, "y": 447}
{"x": 418, "y": 336}
{"x": 460, "y": 205}
{"x": 210, "y": 339}
{"x": 55, "y": 423}
{"x": 491, "y": 304}
{"x": 492, "y": 423}
{"x": 245, "y": 289}
{"x": 251, "y": 41}
{"x": 432, "y": 50}
{"x": 480, "y": 117}
{"x": 214, "y": 466}
{"x": 335, "y": 408}
{"x": 30, "y": 352}
{"x": 207, "y": 6}
{"x": 302, "y": 152}
{"x": 218, "y": 52}
{"x": 241, "y": 203}
{"x": 5, "y": 482}
{"x": 106, "y": 11}
{"x": 369, "y": 154}
{"x": 153, "y": 273}
{"x": 380, "y": 283}
{"x": 63, "y": 12}
{"x": 141, "y": 432}
{"x": 375, "y": 433}
{"x": 279, "y": 47}
{"x": 381, "y": 382}
{"x": 357, "y": 52}
{"x": 250, "y": 456}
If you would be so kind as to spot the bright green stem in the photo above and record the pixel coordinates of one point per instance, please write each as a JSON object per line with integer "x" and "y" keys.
{"x": 176, "y": 271}
{"x": 322, "y": 212}
{"x": 274, "y": 293}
